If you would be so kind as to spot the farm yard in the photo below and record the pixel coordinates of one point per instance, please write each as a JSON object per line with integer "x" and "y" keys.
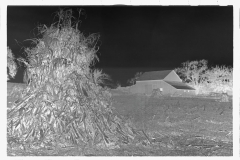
{"x": 64, "y": 103}
{"x": 164, "y": 126}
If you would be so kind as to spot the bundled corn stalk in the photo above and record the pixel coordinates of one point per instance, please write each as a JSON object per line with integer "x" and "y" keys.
{"x": 11, "y": 65}
{"x": 63, "y": 103}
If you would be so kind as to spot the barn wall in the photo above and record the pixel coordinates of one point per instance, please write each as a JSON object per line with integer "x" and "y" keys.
{"x": 137, "y": 88}
{"x": 185, "y": 92}
{"x": 142, "y": 87}
{"x": 172, "y": 76}
{"x": 148, "y": 86}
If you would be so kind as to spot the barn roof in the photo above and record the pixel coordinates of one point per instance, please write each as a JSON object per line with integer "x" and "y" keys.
{"x": 154, "y": 75}
{"x": 179, "y": 85}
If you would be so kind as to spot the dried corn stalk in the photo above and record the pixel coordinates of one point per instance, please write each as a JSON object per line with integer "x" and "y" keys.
{"x": 63, "y": 102}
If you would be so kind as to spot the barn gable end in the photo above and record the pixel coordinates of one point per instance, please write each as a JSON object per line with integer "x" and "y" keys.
{"x": 172, "y": 76}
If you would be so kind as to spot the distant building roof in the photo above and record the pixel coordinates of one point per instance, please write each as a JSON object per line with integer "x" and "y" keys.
{"x": 179, "y": 85}
{"x": 154, "y": 75}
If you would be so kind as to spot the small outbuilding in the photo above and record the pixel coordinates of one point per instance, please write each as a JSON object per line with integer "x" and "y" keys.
{"x": 167, "y": 81}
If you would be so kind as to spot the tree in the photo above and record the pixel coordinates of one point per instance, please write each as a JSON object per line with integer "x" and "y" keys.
{"x": 194, "y": 73}
{"x": 133, "y": 80}
{"x": 220, "y": 79}
{"x": 63, "y": 103}
{"x": 11, "y": 64}
{"x": 117, "y": 85}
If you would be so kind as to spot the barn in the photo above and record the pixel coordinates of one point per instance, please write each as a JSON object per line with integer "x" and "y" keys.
{"x": 167, "y": 81}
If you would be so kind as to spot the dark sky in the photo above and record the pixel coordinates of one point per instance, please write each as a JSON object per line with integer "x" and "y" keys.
{"x": 141, "y": 38}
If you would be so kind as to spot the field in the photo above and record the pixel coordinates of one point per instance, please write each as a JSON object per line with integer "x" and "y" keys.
{"x": 171, "y": 126}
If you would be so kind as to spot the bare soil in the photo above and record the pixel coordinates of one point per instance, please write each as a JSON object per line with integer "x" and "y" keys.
{"x": 173, "y": 126}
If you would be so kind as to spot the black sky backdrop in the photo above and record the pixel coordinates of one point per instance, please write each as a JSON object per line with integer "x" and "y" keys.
{"x": 140, "y": 38}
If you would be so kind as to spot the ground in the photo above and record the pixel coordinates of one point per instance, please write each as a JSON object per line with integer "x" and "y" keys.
{"x": 172, "y": 126}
